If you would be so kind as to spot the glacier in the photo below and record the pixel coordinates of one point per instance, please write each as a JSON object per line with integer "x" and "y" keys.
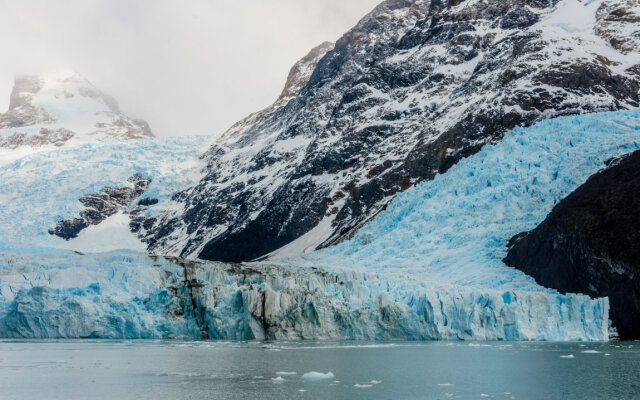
{"x": 42, "y": 188}
{"x": 427, "y": 267}
{"x": 455, "y": 229}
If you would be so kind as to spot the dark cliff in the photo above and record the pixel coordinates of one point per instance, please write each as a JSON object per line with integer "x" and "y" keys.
{"x": 590, "y": 243}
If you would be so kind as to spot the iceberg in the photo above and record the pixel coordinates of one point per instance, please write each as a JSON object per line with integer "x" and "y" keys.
{"x": 313, "y": 375}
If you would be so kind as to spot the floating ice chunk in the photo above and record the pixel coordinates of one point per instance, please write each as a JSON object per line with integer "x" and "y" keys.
{"x": 484, "y": 395}
{"x": 568, "y": 356}
{"x": 607, "y": 354}
{"x": 285, "y": 373}
{"x": 362, "y": 386}
{"x": 445, "y": 384}
{"x": 591, "y": 352}
{"x": 374, "y": 382}
{"x": 277, "y": 379}
{"x": 302, "y": 390}
{"x": 313, "y": 375}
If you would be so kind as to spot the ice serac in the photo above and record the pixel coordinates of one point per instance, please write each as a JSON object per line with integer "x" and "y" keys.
{"x": 590, "y": 243}
{"x": 412, "y": 89}
{"x": 61, "y": 109}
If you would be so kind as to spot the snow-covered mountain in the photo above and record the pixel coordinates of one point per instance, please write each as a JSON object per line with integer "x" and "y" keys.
{"x": 59, "y": 109}
{"x": 412, "y": 89}
{"x": 296, "y": 80}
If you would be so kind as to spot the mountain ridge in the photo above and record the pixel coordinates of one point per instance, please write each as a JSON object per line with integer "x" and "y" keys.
{"x": 412, "y": 89}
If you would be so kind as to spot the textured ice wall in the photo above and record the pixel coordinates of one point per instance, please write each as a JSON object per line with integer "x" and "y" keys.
{"x": 54, "y": 293}
{"x": 49, "y": 293}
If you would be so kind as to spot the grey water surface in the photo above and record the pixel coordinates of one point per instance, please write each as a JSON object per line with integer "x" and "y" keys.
{"x": 95, "y": 369}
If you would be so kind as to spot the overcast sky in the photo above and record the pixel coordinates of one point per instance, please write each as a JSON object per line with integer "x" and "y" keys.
{"x": 192, "y": 66}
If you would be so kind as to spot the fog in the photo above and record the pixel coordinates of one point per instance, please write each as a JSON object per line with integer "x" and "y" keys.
{"x": 187, "y": 67}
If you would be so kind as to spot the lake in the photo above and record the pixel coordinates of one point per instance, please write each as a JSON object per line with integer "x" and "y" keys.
{"x": 96, "y": 369}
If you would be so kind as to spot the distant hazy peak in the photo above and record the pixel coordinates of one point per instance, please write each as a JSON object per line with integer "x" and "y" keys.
{"x": 23, "y": 89}
{"x": 54, "y": 109}
{"x": 27, "y": 85}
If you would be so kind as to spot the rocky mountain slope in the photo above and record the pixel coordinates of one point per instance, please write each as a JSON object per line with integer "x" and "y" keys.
{"x": 62, "y": 109}
{"x": 413, "y": 88}
{"x": 590, "y": 243}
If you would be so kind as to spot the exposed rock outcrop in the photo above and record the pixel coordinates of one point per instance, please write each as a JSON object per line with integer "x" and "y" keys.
{"x": 102, "y": 205}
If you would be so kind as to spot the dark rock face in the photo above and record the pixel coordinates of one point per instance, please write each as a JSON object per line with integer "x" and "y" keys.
{"x": 403, "y": 96}
{"x": 57, "y": 137}
{"x": 101, "y": 205}
{"x": 590, "y": 243}
{"x": 619, "y": 22}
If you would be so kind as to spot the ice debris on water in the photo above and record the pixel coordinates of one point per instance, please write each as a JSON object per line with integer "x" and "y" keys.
{"x": 313, "y": 375}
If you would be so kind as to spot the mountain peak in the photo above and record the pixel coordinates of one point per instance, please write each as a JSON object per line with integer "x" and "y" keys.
{"x": 60, "y": 107}
{"x": 301, "y": 72}
{"x": 297, "y": 79}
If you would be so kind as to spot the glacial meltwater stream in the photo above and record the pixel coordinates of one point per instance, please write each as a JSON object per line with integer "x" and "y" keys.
{"x": 96, "y": 369}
